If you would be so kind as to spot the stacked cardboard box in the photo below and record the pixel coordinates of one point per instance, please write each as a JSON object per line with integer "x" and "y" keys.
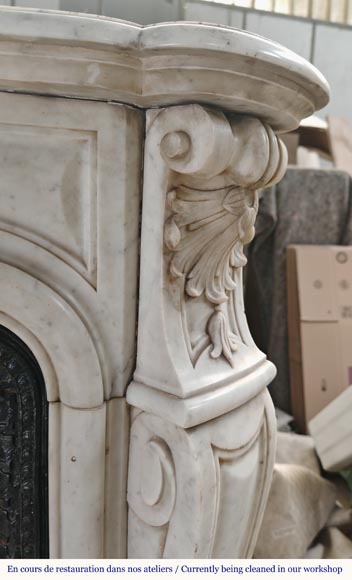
{"x": 319, "y": 280}
{"x": 331, "y": 430}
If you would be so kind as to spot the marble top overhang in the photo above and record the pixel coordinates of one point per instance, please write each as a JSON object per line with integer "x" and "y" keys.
{"x": 68, "y": 54}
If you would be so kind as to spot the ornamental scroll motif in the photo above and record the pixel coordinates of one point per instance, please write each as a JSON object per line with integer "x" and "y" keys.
{"x": 184, "y": 484}
{"x": 211, "y": 209}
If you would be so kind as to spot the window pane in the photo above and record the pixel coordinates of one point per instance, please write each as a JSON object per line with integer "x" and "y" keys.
{"x": 232, "y": 2}
{"x": 244, "y": 3}
{"x": 338, "y": 13}
{"x": 264, "y": 4}
{"x": 321, "y": 9}
{"x": 301, "y": 7}
{"x": 283, "y": 6}
{"x": 330, "y": 10}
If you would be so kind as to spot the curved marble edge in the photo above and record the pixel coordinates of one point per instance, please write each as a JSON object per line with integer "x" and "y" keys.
{"x": 165, "y": 64}
{"x": 193, "y": 411}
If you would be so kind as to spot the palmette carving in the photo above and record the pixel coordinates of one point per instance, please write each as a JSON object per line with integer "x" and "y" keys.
{"x": 206, "y": 234}
{"x": 211, "y": 211}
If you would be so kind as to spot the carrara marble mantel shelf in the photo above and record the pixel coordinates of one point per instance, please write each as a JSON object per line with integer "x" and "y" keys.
{"x": 183, "y": 117}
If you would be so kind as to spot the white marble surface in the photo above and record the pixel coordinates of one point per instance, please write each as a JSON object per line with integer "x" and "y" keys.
{"x": 76, "y": 481}
{"x": 69, "y": 220}
{"x": 202, "y": 448}
{"x": 200, "y": 493}
{"x": 88, "y": 455}
{"x": 206, "y": 436}
{"x": 101, "y": 58}
{"x": 191, "y": 313}
{"x": 70, "y": 172}
{"x": 64, "y": 342}
{"x": 201, "y": 452}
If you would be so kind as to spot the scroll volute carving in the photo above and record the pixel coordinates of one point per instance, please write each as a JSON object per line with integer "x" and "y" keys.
{"x": 217, "y": 165}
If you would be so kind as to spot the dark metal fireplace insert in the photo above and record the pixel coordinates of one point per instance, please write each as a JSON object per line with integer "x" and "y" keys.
{"x": 23, "y": 452}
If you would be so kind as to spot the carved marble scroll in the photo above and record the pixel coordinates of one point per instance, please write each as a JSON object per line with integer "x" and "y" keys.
{"x": 200, "y": 493}
{"x": 201, "y": 453}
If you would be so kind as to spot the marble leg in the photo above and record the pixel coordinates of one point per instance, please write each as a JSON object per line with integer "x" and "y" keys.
{"x": 200, "y": 492}
{"x": 202, "y": 438}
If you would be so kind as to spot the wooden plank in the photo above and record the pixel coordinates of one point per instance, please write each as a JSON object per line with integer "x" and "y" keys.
{"x": 295, "y": 350}
{"x": 340, "y": 136}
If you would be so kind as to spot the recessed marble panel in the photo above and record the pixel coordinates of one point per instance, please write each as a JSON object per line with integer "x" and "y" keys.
{"x": 51, "y": 170}
{"x": 69, "y": 213}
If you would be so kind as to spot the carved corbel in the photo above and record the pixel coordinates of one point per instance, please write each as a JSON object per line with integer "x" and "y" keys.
{"x": 199, "y": 378}
{"x": 210, "y": 215}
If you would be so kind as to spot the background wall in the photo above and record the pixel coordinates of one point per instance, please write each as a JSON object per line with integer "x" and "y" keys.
{"x": 142, "y": 11}
{"x": 328, "y": 46}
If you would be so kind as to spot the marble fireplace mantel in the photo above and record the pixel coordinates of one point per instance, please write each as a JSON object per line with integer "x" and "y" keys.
{"x": 99, "y": 116}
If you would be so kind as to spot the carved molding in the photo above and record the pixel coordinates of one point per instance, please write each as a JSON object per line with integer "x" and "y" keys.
{"x": 157, "y": 65}
{"x": 188, "y": 489}
{"x": 32, "y": 309}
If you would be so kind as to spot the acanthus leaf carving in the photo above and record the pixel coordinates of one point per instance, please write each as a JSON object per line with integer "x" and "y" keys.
{"x": 205, "y": 234}
{"x": 208, "y": 221}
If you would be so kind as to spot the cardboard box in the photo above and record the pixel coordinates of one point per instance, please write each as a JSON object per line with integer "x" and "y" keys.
{"x": 319, "y": 282}
{"x": 331, "y": 430}
{"x": 309, "y": 145}
{"x": 313, "y": 134}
